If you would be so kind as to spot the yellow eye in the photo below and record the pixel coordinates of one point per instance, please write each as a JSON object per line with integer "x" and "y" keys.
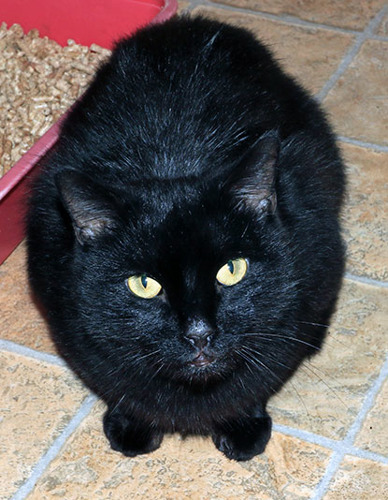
{"x": 232, "y": 272}
{"x": 143, "y": 286}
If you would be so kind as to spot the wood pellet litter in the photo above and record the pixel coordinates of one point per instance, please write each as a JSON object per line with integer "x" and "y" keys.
{"x": 39, "y": 81}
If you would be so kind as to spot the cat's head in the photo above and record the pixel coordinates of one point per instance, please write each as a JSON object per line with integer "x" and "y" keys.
{"x": 182, "y": 278}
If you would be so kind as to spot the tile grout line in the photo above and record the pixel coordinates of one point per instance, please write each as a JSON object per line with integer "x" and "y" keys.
{"x": 55, "y": 448}
{"x": 362, "y": 144}
{"x": 380, "y": 38}
{"x": 13, "y": 347}
{"x": 307, "y": 436}
{"x": 347, "y": 443}
{"x": 331, "y": 444}
{"x": 368, "y": 403}
{"x": 366, "y": 281}
{"x": 368, "y": 455}
{"x": 284, "y": 18}
{"x": 351, "y": 54}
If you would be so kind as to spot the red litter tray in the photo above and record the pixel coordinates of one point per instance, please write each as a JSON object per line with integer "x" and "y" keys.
{"x": 86, "y": 22}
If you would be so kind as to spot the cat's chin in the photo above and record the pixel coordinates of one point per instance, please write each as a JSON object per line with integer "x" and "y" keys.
{"x": 201, "y": 375}
{"x": 203, "y": 371}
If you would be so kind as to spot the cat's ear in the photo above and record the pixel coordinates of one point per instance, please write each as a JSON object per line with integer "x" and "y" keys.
{"x": 252, "y": 184}
{"x": 90, "y": 207}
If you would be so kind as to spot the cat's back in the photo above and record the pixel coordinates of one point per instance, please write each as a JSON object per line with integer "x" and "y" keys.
{"x": 179, "y": 98}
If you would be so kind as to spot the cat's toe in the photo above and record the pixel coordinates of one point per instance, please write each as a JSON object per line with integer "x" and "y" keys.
{"x": 225, "y": 445}
{"x": 129, "y": 438}
{"x": 245, "y": 442}
{"x": 232, "y": 451}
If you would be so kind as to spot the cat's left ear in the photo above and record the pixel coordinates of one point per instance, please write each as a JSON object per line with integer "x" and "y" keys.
{"x": 252, "y": 184}
{"x": 90, "y": 207}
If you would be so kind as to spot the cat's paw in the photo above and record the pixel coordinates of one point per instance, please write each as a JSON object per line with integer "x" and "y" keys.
{"x": 243, "y": 441}
{"x": 128, "y": 436}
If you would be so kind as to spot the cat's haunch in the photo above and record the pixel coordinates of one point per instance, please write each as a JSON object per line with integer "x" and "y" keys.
{"x": 184, "y": 237}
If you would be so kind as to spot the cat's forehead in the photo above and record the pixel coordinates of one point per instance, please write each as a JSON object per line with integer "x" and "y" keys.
{"x": 169, "y": 203}
{"x": 165, "y": 193}
{"x": 185, "y": 225}
{"x": 182, "y": 218}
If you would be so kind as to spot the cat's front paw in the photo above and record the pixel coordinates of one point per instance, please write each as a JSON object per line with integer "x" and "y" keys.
{"x": 128, "y": 436}
{"x": 243, "y": 441}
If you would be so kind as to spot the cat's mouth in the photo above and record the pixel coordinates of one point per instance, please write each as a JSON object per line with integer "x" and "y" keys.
{"x": 202, "y": 360}
{"x": 202, "y": 367}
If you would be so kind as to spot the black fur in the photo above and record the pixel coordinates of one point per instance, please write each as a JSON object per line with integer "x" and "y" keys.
{"x": 190, "y": 148}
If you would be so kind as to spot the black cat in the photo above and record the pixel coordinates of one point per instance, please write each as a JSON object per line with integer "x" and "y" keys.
{"x": 184, "y": 236}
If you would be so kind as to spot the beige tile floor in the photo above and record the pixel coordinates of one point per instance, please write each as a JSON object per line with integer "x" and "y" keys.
{"x": 331, "y": 420}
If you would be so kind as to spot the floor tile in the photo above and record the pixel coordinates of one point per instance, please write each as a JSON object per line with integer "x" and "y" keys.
{"x": 350, "y": 14}
{"x": 37, "y": 402}
{"x": 327, "y": 392}
{"x": 20, "y": 320}
{"x": 359, "y": 479}
{"x": 190, "y": 468}
{"x": 358, "y": 102}
{"x": 365, "y": 213}
{"x": 374, "y": 433}
{"x": 310, "y": 54}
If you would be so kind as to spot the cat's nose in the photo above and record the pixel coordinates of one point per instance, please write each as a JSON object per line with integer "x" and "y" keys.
{"x": 199, "y": 341}
{"x": 199, "y": 333}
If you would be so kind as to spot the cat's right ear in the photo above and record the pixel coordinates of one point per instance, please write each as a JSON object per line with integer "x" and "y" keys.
{"x": 89, "y": 206}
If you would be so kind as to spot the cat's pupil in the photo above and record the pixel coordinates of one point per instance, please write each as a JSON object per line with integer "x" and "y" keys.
{"x": 144, "y": 280}
{"x": 231, "y": 266}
